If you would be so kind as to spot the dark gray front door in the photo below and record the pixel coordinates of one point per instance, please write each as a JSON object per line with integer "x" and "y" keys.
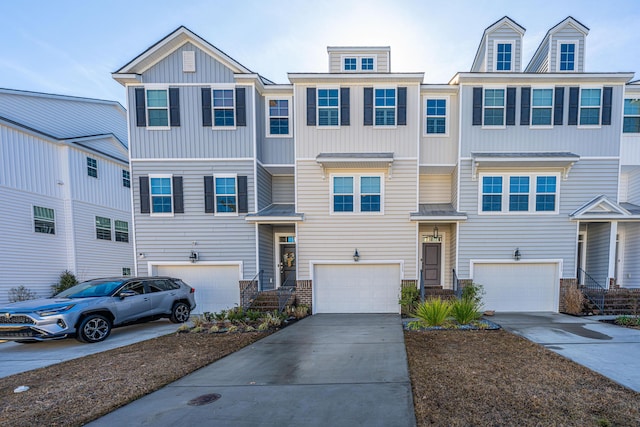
{"x": 288, "y": 265}
{"x": 431, "y": 264}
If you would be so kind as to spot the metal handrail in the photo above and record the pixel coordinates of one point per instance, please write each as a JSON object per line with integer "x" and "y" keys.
{"x": 253, "y": 294}
{"x": 456, "y": 285}
{"x": 593, "y": 290}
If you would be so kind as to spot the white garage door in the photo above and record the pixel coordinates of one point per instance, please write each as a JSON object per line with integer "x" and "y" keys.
{"x": 216, "y": 286}
{"x": 362, "y": 288}
{"x": 518, "y": 286}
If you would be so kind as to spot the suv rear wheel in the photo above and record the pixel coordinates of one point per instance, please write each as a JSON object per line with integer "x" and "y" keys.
{"x": 94, "y": 328}
{"x": 180, "y": 313}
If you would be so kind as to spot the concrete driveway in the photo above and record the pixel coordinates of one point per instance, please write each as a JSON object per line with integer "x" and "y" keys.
{"x": 604, "y": 348}
{"x": 325, "y": 370}
{"x": 16, "y": 358}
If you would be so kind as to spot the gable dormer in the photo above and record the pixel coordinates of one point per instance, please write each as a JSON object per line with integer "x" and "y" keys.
{"x": 371, "y": 59}
{"x": 500, "y": 49}
{"x": 562, "y": 50}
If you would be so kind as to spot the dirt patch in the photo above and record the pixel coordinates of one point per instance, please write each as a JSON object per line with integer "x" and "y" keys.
{"x": 483, "y": 378}
{"x": 80, "y": 390}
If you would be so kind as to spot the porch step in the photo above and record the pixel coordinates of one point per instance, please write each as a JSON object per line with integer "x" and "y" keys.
{"x": 270, "y": 301}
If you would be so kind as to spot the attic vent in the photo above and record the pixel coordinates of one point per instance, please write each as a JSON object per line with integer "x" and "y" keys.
{"x": 189, "y": 61}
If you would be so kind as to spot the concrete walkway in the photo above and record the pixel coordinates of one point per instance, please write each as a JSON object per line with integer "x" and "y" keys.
{"x": 604, "y": 348}
{"x": 325, "y": 370}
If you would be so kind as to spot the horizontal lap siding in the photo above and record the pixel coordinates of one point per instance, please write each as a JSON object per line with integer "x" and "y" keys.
{"x": 322, "y": 236}
{"x": 219, "y": 238}
{"x": 265, "y": 183}
{"x": 569, "y": 34}
{"x": 630, "y": 148}
{"x": 435, "y": 188}
{"x": 505, "y": 33}
{"x": 283, "y": 189}
{"x": 633, "y": 187}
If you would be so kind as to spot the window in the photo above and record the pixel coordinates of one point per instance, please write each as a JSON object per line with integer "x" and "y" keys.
{"x": 385, "y": 107}
{"x": 493, "y": 107}
{"x": 436, "y": 116}
{"x": 350, "y": 64}
{"x": 126, "y": 271}
{"x": 223, "y": 108}
{"x": 360, "y": 193}
{"x": 545, "y": 193}
{"x": 328, "y": 107}
{"x": 157, "y": 108}
{"x": 161, "y": 197}
{"x": 528, "y": 193}
{"x": 590, "y": 101}
{"x": 278, "y": 117}
{"x": 367, "y": 64}
{"x": 492, "y": 194}
{"x": 541, "y": 107}
{"x": 631, "y": 116}
{"x": 503, "y": 56}
{"x": 92, "y": 167}
{"x": 225, "y": 191}
{"x": 44, "y": 220}
{"x": 122, "y": 231}
{"x": 126, "y": 178}
{"x": 567, "y": 56}
{"x": 103, "y": 228}
{"x": 518, "y": 193}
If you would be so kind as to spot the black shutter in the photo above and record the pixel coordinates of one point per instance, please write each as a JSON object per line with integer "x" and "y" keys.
{"x": 477, "y": 106}
{"x": 145, "y": 205}
{"x": 178, "y": 196}
{"x": 311, "y": 106}
{"x": 402, "y": 106}
{"x": 511, "y": 106}
{"x": 558, "y": 106}
{"x": 573, "y": 106}
{"x": 141, "y": 112}
{"x": 525, "y": 105}
{"x": 206, "y": 107}
{"x": 174, "y": 106}
{"x": 208, "y": 195}
{"x": 241, "y": 107}
{"x": 607, "y": 93}
{"x": 243, "y": 199}
{"x": 344, "y": 107}
{"x": 368, "y": 106}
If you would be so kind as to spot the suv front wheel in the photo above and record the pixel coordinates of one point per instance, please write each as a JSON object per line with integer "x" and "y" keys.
{"x": 94, "y": 328}
{"x": 180, "y": 313}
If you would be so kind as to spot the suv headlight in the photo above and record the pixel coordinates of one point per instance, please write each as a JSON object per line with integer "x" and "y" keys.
{"x": 52, "y": 311}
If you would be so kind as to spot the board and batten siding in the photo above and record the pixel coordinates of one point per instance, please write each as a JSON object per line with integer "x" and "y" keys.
{"x": 435, "y": 188}
{"x": 191, "y": 139}
{"x": 633, "y": 187}
{"x": 218, "y": 238}
{"x": 597, "y": 265}
{"x": 630, "y": 149}
{"x": 357, "y": 138}
{"x": 586, "y": 142}
{"x": 95, "y": 257}
{"x": 326, "y": 236}
{"x": 23, "y": 248}
{"x": 631, "y": 275}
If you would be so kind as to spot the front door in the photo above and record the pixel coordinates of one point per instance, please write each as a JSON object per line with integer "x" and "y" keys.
{"x": 287, "y": 261}
{"x": 431, "y": 264}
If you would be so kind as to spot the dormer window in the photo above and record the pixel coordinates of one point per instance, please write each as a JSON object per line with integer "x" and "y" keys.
{"x": 358, "y": 63}
{"x": 350, "y": 64}
{"x": 504, "y": 55}
{"x": 367, "y": 64}
{"x": 567, "y": 57}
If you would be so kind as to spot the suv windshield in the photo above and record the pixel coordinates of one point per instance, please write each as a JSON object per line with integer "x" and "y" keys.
{"x": 92, "y": 288}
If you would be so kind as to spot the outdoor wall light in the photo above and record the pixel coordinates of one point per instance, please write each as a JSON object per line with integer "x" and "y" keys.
{"x": 435, "y": 231}
{"x": 356, "y": 255}
{"x": 517, "y": 255}
{"x": 193, "y": 256}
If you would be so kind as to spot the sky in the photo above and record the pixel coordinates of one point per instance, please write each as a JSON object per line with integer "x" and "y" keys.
{"x": 71, "y": 47}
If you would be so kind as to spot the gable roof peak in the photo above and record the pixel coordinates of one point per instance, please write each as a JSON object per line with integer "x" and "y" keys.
{"x": 505, "y": 20}
{"x": 570, "y": 20}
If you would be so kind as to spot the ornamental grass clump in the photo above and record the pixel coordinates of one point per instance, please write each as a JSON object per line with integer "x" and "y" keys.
{"x": 433, "y": 312}
{"x": 465, "y": 311}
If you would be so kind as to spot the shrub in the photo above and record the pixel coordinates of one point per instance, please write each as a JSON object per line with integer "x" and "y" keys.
{"x": 66, "y": 280}
{"x": 409, "y": 299}
{"x": 465, "y": 311}
{"x": 21, "y": 293}
{"x": 433, "y": 312}
{"x": 253, "y": 315}
{"x": 235, "y": 314}
{"x": 574, "y": 300}
{"x": 301, "y": 311}
{"x": 628, "y": 320}
{"x": 473, "y": 292}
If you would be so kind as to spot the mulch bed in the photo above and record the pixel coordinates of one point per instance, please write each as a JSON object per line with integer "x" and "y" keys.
{"x": 495, "y": 378}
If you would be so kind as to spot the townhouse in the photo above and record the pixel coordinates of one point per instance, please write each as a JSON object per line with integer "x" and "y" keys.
{"x": 65, "y": 190}
{"x": 347, "y": 185}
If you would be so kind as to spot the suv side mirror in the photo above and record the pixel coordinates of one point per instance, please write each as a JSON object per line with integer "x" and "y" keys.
{"x": 127, "y": 293}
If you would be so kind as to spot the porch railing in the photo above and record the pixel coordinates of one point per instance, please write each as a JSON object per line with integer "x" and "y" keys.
{"x": 457, "y": 289}
{"x": 593, "y": 290}
{"x": 252, "y": 291}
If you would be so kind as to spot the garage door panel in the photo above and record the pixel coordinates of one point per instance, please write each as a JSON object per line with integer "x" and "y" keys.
{"x": 356, "y": 288}
{"x": 216, "y": 286}
{"x": 518, "y": 286}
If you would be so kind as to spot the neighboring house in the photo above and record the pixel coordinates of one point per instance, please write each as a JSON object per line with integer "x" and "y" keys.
{"x": 350, "y": 184}
{"x": 65, "y": 190}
